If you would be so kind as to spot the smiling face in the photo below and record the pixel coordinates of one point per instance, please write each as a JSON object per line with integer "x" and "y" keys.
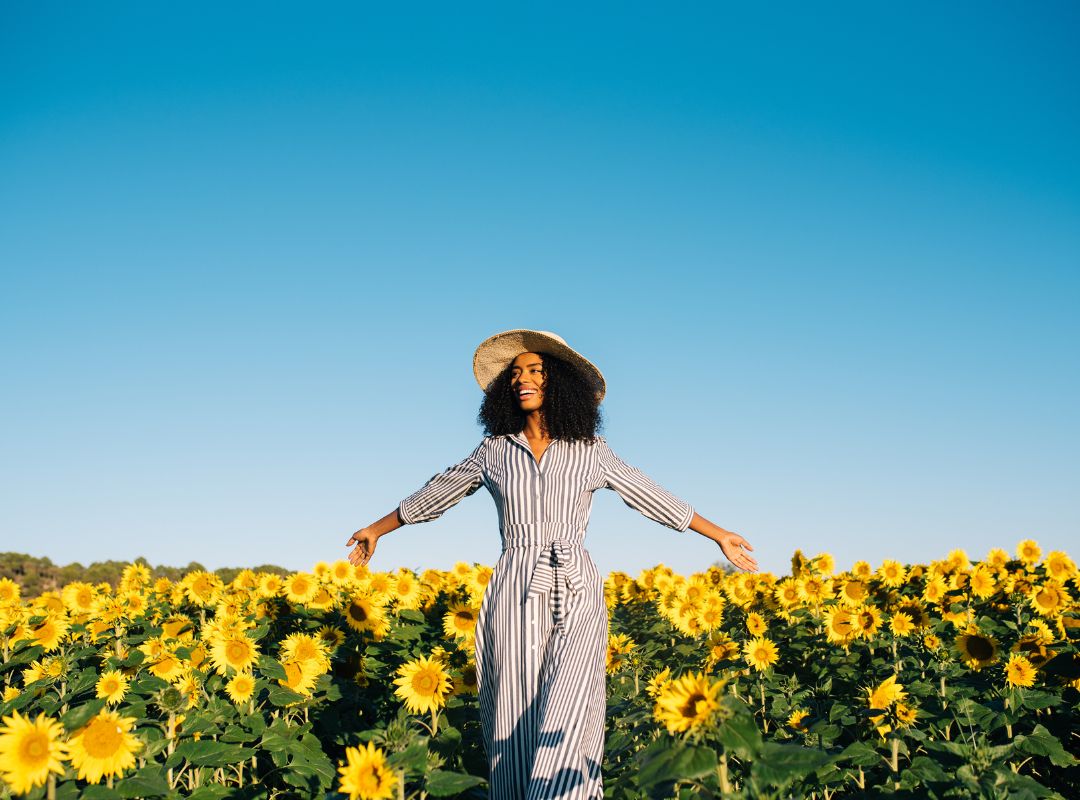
{"x": 527, "y": 381}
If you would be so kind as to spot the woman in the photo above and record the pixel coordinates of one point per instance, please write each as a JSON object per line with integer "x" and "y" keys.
{"x": 542, "y": 629}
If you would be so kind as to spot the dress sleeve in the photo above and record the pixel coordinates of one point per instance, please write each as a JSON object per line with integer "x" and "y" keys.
{"x": 641, "y": 492}
{"x": 445, "y": 489}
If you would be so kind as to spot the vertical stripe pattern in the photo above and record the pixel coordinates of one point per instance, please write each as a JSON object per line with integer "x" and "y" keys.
{"x": 542, "y": 629}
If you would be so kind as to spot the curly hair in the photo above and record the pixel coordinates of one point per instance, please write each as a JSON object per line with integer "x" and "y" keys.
{"x": 570, "y": 409}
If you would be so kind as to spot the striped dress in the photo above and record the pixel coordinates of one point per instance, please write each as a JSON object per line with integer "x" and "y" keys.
{"x": 542, "y": 628}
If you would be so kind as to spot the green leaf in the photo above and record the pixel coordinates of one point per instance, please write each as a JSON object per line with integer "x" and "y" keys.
{"x": 669, "y": 763}
{"x": 412, "y": 615}
{"x": 272, "y": 668}
{"x": 100, "y": 792}
{"x": 412, "y": 759}
{"x": 208, "y": 753}
{"x": 147, "y": 782}
{"x": 283, "y": 696}
{"x": 442, "y": 783}
{"x": 211, "y": 792}
{"x": 1041, "y": 742}
{"x": 861, "y": 754}
{"x": 80, "y": 715}
{"x": 741, "y": 736}
{"x": 780, "y": 764}
{"x": 927, "y": 770}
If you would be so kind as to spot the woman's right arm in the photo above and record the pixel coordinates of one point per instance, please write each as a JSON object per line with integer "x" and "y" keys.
{"x": 442, "y": 491}
{"x": 366, "y": 538}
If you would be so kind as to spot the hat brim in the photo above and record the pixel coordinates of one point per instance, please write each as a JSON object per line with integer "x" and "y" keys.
{"x": 497, "y": 351}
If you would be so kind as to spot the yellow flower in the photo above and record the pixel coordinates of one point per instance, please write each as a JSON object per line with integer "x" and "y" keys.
{"x": 235, "y": 651}
{"x": 931, "y": 641}
{"x": 997, "y": 558}
{"x": 787, "y": 593}
{"x": 50, "y": 632}
{"x": 305, "y": 647}
{"x": 906, "y": 714}
{"x": 619, "y": 646}
{"x": 241, "y": 687}
{"x": 982, "y": 582}
{"x": 29, "y": 751}
{"x": 459, "y": 622}
{"x": 422, "y": 684}
{"x": 112, "y": 685}
{"x": 901, "y": 624}
{"x": 657, "y": 682}
{"x": 892, "y": 573}
{"x": 957, "y": 560}
{"x": 840, "y": 625}
{"x": 1049, "y": 599}
{"x": 332, "y": 636}
{"x": 1059, "y": 566}
{"x": 824, "y": 564}
{"x": 755, "y": 624}
{"x": 365, "y": 775}
{"x": 105, "y": 747}
{"x": 687, "y": 702}
{"x": 760, "y": 653}
{"x": 300, "y": 677}
{"x": 10, "y": 592}
{"x": 886, "y": 693}
{"x": 362, "y": 614}
{"x": 1019, "y": 671}
{"x": 300, "y": 587}
{"x": 935, "y": 590}
{"x": 976, "y": 649}
{"x": 867, "y": 619}
{"x": 1029, "y": 552}
{"x": 862, "y": 570}
{"x": 797, "y": 719}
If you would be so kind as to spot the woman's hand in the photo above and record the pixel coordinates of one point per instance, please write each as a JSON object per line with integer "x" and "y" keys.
{"x": 732, "y": 544}
{"x": 365, "y": 539}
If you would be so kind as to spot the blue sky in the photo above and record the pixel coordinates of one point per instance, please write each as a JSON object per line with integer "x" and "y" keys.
{"x": 827, "y": 258}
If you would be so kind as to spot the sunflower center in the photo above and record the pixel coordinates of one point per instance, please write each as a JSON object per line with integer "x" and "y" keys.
{"x": 357, "y": 612}
{"x": 35, "y": 747}
{"x": 424, "y": 682}
{"x": 367, "y": 780}
{"x": 237, "y": 650}
{"x": 980, "y": 648}
{"x": 695, "y": 705}
{"x": 103, "y": 738}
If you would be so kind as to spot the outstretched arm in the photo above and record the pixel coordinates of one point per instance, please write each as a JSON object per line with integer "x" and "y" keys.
{"x": 441, "y": 492}
{"x": 731, "y": 544}
{"x": 642, "y": 493}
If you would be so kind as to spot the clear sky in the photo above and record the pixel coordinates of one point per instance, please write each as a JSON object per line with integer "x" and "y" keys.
{"x": 828, "y": 259}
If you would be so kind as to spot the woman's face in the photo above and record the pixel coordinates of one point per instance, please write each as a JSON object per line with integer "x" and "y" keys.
{"x": 527, "y": 381}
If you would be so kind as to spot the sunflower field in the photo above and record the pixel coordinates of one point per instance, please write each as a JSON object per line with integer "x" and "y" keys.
{"x": 948, "y": 679}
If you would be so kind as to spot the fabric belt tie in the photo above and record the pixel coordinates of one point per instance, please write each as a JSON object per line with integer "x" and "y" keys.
{"x": 557, "y": 567}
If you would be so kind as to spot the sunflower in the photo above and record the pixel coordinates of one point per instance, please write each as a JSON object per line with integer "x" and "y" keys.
{"x": 797, "y": 719}
{"x": 824, "y": 564}
{"x": 840, "y": 625}
{"x": 29, "y": 751}
{"x": 459, "y": 622}
{"x": 202, "y": 588}
{"x": 240, "y": 687}
{"x": 112, "y": 686}
{"x": 862, "y": 570}
{"x": 760, "y": 653}
{"x": 853, "y": 593}
{"x": 976, "y": 649}
{"x": 619, "y": 646}
{"x": 466, "y": 682}
{"x": 812, "y": 589}
{"x": 362, "y": 614}
{"x": 688, "y": 702}
{"x": 270, "y": 585}
{"x": 901, "y": 623}
{"x": 1019, "y": 671}
{"x": 422, "y": 684}
{"x": 79, "y": 597}
{"x": 657, "y": 682}
{"x": 982, "y": 582}
{"x": 997, "y": 558}
{"x": 365, "y": 775}
{"x": 300, "y": 587}
{"x": 885, "y": 693}
{"x": 1049, "y": 599}
{"x": 905, "y": 714}
{"x": 332, "y": 636}
{"x": 931, "y": 641}
{"x": 957, "y": 560}
{"x": 305, "y": 647}
{"x": 867, "y": 620}
{"x": 787, "y": 593}
{"x": 935, "y": 590}
{"x": 105, "y": 747}
{"x": 1029, "y": 552}
{"x": 10, "y": 592}
{"x": 50, "y": 632}
{"x": 892, "y": 573}
{"x": 341, "y": 572}
{"x": 755, "y": 624}
{"x": 1059, "y": 566}
{"x": 236, "y": 652}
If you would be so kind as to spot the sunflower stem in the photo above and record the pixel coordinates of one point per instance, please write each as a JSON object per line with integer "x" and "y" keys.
{"x": 434, "y": 721}
{"x": 50, "y": 787}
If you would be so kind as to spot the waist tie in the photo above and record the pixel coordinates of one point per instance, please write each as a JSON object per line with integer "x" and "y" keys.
{"x": 557, "y": 565}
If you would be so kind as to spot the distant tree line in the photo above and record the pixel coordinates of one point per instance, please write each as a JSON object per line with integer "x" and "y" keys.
{"x": 38, "y": 575}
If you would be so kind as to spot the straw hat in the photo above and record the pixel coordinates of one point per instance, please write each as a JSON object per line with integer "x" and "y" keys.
{"x": 496, "y": 352}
